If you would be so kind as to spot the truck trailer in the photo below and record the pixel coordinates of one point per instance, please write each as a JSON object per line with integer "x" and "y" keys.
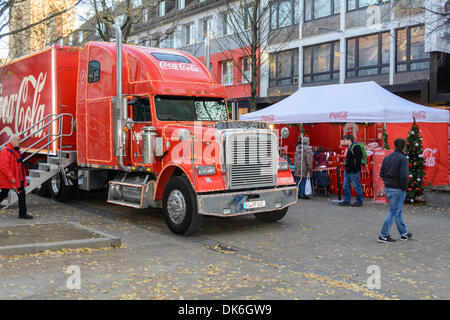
{"x": 149, "y": 124}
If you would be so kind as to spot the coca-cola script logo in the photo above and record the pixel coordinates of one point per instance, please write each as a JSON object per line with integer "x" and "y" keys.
{"x": 268, "y": 118}
{"x": 429, "y": 156}
{"x": 179, "y": 66}
{"x": 338, "y": 115}
{"x": 419, "y": 115}
{"x": 17, "y": 116}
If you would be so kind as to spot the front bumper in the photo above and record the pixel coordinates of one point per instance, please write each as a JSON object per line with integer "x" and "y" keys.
{"x": 232, "y": 204}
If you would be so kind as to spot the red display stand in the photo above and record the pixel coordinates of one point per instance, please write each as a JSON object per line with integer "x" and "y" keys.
{"x": 378, "y": 183}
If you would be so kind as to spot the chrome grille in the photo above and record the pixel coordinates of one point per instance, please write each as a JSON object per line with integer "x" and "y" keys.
{"x": 251, "y": 160}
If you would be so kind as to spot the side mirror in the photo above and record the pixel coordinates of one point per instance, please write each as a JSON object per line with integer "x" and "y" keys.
{"x": 284, "y": 132}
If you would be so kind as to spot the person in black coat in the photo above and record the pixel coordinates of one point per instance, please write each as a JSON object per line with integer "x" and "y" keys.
{"x": 352, "y": 174}
{"x": 394, "y": 172}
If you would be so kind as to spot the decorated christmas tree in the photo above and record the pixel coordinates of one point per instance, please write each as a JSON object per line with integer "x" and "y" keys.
{"x": 414, "y": 151}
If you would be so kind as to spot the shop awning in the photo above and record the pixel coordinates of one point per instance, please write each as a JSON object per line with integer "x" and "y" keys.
{"x": 350, "y": 102}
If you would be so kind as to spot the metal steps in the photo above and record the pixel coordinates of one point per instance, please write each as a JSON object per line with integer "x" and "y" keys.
{"x": 45, "y": 172}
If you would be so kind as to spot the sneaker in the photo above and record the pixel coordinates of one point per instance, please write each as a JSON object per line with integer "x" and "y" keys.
{"x": 357, "y": 204}
{"x": 406, "y": 237}
{"x": 344, "y": 204}
{"x": 25, "y": 216}
{"x": 384, "y": 239}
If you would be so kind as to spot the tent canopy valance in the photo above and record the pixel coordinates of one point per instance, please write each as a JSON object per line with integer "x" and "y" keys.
{"x": 350, "y": 102}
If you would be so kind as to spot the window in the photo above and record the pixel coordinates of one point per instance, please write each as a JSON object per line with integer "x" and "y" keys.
{"x": 161, "y": 8}
{"x": 136, "y": 3}
{"x": 321, "y": 62}
{"x": 61, "y": 41}
{"x": 227, "y": 73}
{"x": 283, "y": 68}
{"x": 248, "y": 17}
{"x": 189, "y": 34}
{"x": 175, "y": 108}
{"x": 170, "y": 57}
{"x": 226, "y": 23}
{"x": 69, "y": 40}
{"x": 94, "y": 71}
{"x": 368, "y": 55}
{"x": 246, "y": 70}
{"x": 141, "y": 109}
{"x": 315, "y": 9}
{"x": 80, "y": 37}
{"x": 181, "y": 4}
{"x": 144, "y": 15}
{"x": 358, "y": 4}
{"x": 206, "y": 29}
{"x": 284, "y": 13}
{"x": 411, "y": 55}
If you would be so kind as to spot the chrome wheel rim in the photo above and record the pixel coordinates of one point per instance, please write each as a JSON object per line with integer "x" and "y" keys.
{"x": 55, "y": 184}
{"x": 176, "y": 206}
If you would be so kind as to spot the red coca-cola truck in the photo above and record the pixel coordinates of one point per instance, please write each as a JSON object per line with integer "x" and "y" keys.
{"x": 149, "y": 124}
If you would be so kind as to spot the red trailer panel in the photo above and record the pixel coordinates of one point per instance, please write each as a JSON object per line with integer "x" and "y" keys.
{"x": 29, "y": 92}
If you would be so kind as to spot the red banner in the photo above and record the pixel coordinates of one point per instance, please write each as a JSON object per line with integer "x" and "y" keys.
{"x": 435, "y": 148}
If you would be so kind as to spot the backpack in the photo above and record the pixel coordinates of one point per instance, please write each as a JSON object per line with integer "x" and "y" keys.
{"x": 363, "y": 151}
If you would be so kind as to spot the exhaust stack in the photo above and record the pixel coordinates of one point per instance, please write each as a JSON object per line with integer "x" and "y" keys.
{"x": 120, "y": 106}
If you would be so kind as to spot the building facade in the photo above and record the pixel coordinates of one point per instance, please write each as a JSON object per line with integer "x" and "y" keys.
{"x": 312, "y": 42}
{"x": 28, "y": 12}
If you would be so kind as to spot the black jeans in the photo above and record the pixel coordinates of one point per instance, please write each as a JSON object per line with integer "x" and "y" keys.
{"x": 22, "y": 199}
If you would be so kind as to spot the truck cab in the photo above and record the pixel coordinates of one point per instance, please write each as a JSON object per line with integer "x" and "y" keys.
{"x": 167, "y": 138}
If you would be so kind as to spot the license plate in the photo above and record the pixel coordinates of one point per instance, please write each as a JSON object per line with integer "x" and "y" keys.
{"x": 254, "y": 204}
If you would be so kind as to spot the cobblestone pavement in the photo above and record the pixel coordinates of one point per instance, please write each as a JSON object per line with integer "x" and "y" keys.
{"x": 318, "y": 251}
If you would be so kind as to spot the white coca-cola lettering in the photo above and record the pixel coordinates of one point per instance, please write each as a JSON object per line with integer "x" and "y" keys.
{"x": 419, "y": 115}
{"x": 338, "y": 115}
{"x": 12, "y": 110}
{"x": 179, "y": 66}
{"x": 429, "y": 156}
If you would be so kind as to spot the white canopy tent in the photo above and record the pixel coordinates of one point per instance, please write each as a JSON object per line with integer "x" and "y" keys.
{"x": 352, "y": 102}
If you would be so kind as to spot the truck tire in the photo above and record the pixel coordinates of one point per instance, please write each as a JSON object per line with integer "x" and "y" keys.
{"x": 42, "y": 190}
{"x": 180, "y": 207}
{"x": 272, "y": 215}
{"x": 58, "y": 190}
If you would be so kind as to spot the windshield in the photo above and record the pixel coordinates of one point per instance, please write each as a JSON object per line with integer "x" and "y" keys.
{"x": 174, "y": 108}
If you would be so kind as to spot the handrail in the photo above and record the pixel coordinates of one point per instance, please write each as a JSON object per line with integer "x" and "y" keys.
{"x": 59, "y": 135}
{"x": 50, "y": 134}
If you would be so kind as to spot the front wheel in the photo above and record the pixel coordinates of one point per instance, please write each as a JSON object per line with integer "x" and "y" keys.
{"x": 272, "y": 215}
{"x": 180, "y": 207}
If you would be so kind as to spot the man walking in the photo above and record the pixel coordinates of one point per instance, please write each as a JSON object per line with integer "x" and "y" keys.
{"x": 12, "y": 174}
{"x": 352, "y": 172}
{"x": 394, "y": 172}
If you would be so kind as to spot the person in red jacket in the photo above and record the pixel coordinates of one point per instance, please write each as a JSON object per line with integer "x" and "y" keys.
{"x": 12, "y": 174}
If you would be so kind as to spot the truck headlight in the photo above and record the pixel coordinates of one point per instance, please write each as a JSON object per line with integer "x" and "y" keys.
{"x": 206, "y": 170}
{"x": 283, "y": 166}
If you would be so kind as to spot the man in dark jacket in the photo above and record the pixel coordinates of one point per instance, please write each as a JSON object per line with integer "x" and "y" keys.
{"x": 394, "y": 172}
{"x": 352, "y": 172}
